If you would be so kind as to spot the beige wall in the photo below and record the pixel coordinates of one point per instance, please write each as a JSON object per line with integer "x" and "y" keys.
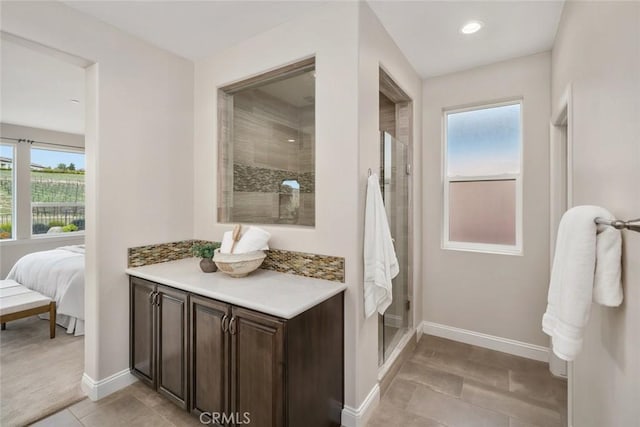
{"x": 376, "y": 50}
{"x": 343, "y": 124}
{"x": 329, "y": 33}
{"x": 139, "y": 156}
{"x": 12, "y": 251}
{"x": 597, "y": 52}
{"x": 499, "y": 295}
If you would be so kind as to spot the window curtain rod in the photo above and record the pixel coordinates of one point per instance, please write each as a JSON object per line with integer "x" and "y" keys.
{"x": 31, "y": 141}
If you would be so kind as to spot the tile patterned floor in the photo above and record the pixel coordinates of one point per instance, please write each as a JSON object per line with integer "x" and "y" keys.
{"x": 134, "y": 406}
{"x": 447, "y": 383}
{"x": 443, "y": 384}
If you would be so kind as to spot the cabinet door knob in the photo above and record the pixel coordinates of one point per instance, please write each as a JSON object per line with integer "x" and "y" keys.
{"x": 225, "y": 323}
{"x": 232, "y": 326}
{"x": 156, "y": 300}
{"x": 152, "y": 296}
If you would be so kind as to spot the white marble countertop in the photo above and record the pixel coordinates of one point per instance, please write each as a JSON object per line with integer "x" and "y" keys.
{"x": 278, "y": 294}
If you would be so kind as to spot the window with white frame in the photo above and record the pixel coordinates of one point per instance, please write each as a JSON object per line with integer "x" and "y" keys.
{"x": 483, "y": 178}
{"x": 52, "y": 180}
{"x": 7, "y": 190}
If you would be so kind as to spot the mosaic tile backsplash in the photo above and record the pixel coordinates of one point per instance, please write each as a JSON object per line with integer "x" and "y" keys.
{"x": 299, "y": 263}
{"x": 163, "y": 252}
{"x": 303, "y": 264}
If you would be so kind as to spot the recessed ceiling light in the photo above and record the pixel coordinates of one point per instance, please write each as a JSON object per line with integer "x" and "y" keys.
{"x": 291, "y": 140}
{"x": 75, "y": 101}
{"x": 471, "y": 27}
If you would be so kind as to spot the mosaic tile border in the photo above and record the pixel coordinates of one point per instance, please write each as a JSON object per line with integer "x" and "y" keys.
{"x": 299, "y": 263}
{"x": 262, "y": 180}
{"x": 163, "y": 252}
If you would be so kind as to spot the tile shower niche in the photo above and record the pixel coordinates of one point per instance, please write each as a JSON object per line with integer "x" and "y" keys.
{"x": 267, "y": 148}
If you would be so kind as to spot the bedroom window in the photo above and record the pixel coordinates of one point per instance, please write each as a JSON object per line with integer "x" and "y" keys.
{"x": 57, "y": 191}
{"x": 7, "y": 191}
{"x": 482, "y": 178}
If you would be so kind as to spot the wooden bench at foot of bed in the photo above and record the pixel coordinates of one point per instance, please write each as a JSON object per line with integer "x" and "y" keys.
{"x": 17, "y": 302}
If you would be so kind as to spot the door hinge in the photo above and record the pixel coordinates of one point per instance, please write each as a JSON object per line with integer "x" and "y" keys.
{"x": 408, "y": 305}
{"x": 408, "y": 169}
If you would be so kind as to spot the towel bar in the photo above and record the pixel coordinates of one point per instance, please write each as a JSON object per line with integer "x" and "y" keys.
{"x": 633, "y": 224}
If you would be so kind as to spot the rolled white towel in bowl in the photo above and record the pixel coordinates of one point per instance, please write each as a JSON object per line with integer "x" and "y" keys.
{"x": 254, "y": 239}
{"x": 227, "y": 242}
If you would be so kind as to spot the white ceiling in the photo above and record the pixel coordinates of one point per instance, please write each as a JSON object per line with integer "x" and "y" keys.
{"x": 37, "y": 89}
{"x": 194, "y": 29}
{"x": 428, "y": 31}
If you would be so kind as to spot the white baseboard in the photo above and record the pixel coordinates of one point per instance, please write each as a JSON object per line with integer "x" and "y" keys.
{"x": 96, "y": 390}
{"x": 505, "y": 345}
{"x": 358, "y": 417}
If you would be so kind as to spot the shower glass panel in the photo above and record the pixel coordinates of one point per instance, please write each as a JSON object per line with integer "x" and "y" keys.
{"x": 394, "y": 185}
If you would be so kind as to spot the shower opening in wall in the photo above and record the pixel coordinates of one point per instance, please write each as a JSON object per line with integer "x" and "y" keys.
{"x": 395, "y": 185}
{"x": 266, "y": 154}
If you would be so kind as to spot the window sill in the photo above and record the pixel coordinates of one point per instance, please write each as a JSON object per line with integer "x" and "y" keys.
{"x": 44, "y": 238}
{"x": 484, "y": 249}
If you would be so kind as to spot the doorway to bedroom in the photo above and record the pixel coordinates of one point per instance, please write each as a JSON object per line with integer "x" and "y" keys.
{"x": 42, "y": 225}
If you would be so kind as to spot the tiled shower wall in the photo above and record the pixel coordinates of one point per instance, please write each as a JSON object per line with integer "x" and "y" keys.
{"x": 263, "y": 157}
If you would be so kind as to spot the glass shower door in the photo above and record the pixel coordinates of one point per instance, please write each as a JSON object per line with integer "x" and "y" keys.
{"x": 394, "y": 185}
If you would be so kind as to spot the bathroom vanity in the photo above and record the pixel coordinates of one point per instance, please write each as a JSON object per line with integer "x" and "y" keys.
{"x": 266, "y": 348}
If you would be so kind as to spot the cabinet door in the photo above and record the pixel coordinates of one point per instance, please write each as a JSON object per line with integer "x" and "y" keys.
{"x": 257, "y": 368}
{"x": 209, "y": 355}
{"x": 142, "y": 332}
{"x": 172, "y": 326}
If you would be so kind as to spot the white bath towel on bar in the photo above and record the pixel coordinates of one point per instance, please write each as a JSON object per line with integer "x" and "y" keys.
{"x": 380, "y": 261}
{"x": 586, "y": 268}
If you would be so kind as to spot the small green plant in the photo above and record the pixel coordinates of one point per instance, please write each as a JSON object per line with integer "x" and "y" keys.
{"x": 69, "y": 228}
{"x": 5, "y": 227}
{"x": 56, "y": 224}
{"x": 204, "y": 250}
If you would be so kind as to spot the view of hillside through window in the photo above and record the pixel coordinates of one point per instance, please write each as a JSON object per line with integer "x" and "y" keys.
{"x": 57, "y": 191}
{"x": 6, "y": 191}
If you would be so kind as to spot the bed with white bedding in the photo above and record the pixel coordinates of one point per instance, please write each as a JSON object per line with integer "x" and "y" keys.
{"x": 58, "y": 274}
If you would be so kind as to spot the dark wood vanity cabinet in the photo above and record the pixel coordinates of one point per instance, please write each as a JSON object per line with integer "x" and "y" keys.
{"x": 209, "y": 346}
{"x": 158, "y": 338}
{"x": 279, "y": 372}
{"x": 258, "y": 378}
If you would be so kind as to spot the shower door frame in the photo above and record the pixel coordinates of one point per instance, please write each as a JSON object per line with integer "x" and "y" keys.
{"x": 404, "y": 135}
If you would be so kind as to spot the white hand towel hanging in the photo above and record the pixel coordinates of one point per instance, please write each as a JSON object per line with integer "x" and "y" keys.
{"x": 380, "y": 261}
{"x": 586, "y": 268}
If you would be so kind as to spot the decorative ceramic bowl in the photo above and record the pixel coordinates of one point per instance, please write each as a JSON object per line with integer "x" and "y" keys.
{"x": 238, "y": 265}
